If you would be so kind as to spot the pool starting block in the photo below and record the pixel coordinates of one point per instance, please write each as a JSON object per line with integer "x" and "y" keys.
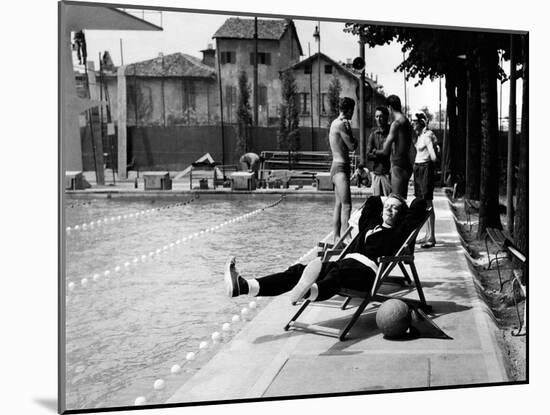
{"x": 74, "y": 180}
{"x": 324, "y": 181}
{"x": 243, "y": 181}
{"x": 157, "y": 181}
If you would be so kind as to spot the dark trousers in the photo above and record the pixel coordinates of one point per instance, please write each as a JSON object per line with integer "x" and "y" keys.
{"x": 345, "y": 273}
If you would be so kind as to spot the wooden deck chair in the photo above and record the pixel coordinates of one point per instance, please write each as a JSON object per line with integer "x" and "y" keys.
{"x": 329, "y": 250}
{"x": 404, "y": 256}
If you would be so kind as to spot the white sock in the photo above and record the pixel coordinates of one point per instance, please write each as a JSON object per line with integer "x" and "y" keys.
{"x": 313, "y": 293}
{"x": 253, "y": 287}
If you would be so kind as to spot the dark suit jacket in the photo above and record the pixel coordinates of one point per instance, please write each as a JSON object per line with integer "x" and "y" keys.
{"x": 387, "y": 240}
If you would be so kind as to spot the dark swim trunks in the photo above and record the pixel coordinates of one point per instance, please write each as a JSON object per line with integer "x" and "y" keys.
{"x": 340, "y": 168}
{"x": 424, "y": 180}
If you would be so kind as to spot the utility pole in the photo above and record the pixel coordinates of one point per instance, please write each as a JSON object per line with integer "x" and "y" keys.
{"x": 362, "y": 138}
{"x": 311, "y": 97}
{"x": 162, "y": 92}
{"x": 511, "y": 137}
{"x": 221, "y": 105}
{"x": 405, "y": 88}
{"x": 500, "y": 101}
{"x": 318, "y": 39}
{"x": 121, "y": 54}
{"x": 440, "y": 105}
{"x": 255, "y": 71}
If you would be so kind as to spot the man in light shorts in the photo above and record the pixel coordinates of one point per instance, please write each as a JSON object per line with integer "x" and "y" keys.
{"x": 424, "y": 171}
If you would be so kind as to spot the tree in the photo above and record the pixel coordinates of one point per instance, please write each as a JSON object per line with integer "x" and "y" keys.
{"x": 244, "y": 117}
{"x": 473, "y": 129}
{"x": 426, "y": 111}
{"x": 406, "y": 109}
{"x": 489, "y": 216}
{"x": 438, "y": 52}
{"x": 431, "y": 53}
{"x": 334, "y": 91}
{"x": 288, "y": 136}
{"x": 439, "y": 117}
{"x": 520, "y": 220}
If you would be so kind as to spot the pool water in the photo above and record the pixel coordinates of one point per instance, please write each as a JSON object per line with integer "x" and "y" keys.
{"x": 127, "y": 329}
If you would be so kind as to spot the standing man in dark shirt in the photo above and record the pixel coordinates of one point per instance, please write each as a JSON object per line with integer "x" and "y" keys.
{"x": 381, "y": 185}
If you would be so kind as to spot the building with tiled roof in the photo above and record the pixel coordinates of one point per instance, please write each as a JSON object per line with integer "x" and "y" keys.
{"x": 306, "y": 74}
{"x": 278, "y": 48}
{"x": 169, "y": 90}
{"x": 237, "y": 28}
{"x": 173, "y": 65}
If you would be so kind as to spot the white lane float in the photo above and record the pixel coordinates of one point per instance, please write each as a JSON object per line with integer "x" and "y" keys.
{"x": 159, "y": 384}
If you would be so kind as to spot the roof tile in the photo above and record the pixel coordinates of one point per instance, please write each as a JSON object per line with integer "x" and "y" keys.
{"x": 238, "y": 28}
{"x": 176, "y": 64}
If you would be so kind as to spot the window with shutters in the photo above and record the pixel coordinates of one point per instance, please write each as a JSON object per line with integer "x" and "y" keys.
{"x": 227, "y": 57}
{"x": 264, "y": 58}
{"x": 262, "y": 95}
{"x": 304, "y": 103}
{"x": 230, "y": 101}
{"x": 324, "y": 103}
{"x": 189, "y": 96}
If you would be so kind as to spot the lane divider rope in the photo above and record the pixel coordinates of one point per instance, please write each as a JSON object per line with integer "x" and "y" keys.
{"x": 84, "y": 282}
{"x": 103, "y": 221}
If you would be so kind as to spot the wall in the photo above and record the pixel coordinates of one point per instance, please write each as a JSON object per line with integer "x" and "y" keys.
{"x": 289, "y": 49}
{"x": 349, "y": 89}
{"x": 149, "y": 94}
{"x": 175, "y": 148}
{"x": 282, "y": 56}
{"x": 109, "y": 147}
{"x": 149, "y": 97}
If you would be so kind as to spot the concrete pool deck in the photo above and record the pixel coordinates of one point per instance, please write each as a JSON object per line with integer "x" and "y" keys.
{"x": 125, "y": 190}
{"x": 264, "y": 361}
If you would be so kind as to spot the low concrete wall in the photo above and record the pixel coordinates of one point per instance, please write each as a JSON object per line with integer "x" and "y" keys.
{"x": 175, "y": 148}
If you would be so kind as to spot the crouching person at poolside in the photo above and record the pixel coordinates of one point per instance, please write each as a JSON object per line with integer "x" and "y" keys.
{"x": 382, "y": 230}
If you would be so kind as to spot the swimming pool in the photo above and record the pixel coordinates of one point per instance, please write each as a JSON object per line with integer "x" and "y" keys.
{"x": 140, "y": 301}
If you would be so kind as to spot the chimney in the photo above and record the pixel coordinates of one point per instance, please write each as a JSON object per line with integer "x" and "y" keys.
{"x": 348, "y": 62}
{"x": 161, "y": 55}
{"x": 209, "y": 55}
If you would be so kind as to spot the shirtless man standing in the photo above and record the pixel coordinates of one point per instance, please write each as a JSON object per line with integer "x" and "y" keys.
{"x": 341, "y": 143}
{"x": 398, "y": 143}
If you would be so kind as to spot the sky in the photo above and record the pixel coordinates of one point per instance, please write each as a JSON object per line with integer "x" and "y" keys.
{"x": 191, "y": 32}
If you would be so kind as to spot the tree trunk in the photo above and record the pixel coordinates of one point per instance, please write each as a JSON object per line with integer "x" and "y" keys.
{"x": 521, "y": 222}
{"x": 459, "y": 150}
{"x": 448, "y": 160}
{"x": 489, "y": 204}
{"x": 473, "y": 130}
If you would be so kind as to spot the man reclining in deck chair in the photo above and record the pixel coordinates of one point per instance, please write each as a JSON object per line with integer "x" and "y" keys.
{"x": 382, "y": 230}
